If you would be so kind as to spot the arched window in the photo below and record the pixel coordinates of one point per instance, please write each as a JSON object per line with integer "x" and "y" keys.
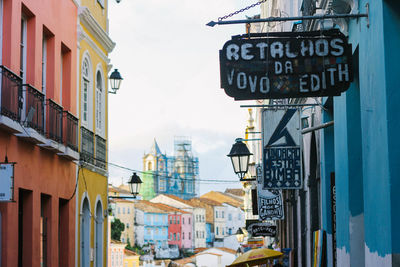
{"x": 149, "y": 166}
{"x": 86, "y": 91}
{"x": 99, "y": 102}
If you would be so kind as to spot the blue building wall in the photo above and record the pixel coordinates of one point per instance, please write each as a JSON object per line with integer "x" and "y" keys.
{"x": 156, "y": 228}
{"x": 366, "y": 145}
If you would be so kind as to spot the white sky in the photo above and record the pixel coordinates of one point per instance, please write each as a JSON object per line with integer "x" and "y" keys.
{"x": 169, "y": 60}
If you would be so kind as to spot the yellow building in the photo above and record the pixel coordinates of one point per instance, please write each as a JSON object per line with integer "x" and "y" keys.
{"x": 124, "y": 210}
{"x": 94, "y": 45}
{"x": 131, "y": 259}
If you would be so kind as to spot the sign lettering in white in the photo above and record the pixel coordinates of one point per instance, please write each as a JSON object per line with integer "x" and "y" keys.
{"x": 282, "y": 168}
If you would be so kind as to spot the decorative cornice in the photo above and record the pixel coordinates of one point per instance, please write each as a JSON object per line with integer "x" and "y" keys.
{"x": 82, "y": 35}
{"x": 94, "y": 28}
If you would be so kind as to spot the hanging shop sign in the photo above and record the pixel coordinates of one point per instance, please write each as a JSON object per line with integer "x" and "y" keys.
{"x": 7, "y": 181}
{"x": 270, "y": 204}
{"x": 286, "y": 65}
{"x": 282, "y": 139}
{"x": 262, "y": 229}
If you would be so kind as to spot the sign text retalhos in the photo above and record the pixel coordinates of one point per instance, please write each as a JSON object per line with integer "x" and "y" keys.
{"x": 292, "y": 65}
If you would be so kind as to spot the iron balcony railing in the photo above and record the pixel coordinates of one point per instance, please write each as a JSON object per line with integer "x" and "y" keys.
{"x": 100, "y": 152}
{"x": 87, "y": 145}
{"x": 54, "y": 121}
{"x": 11, "y": 94}
{"x": 34, "y": 108}
{"x": 70, "y": 131}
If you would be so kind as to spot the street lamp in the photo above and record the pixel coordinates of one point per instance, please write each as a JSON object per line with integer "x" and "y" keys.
{"x": 240, "y": 156}
{"x": 134, "y": 184}
{"x": 240, "y": 235}
{"x": 115, "y": 81}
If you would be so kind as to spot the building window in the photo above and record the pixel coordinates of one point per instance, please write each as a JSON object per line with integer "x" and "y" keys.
{"x": 123, "y": 210}
{"x": 174, "y": 219}
{"x": 129, "y": 210}
{"x": 164, "y": 231}
{"x": 127, "y": 225}
{"x": 174, "y": 236}
{"x": 170, "y": 220}
{"x": 189, "y": 220}
{"x": 230, "y": 217}
{"x": 223, "y": 214}
{"x": 22, "y": 64}
{"x": 203, "y": 218}
{"x": 179, "y": 237}
{"x": 190, "y": 235}
{"x": 149, "y": 166}
{"x": 197, "y": 234}
{"x": 86, "y": 91}
{"x": 183, "y": 220}
{"x": 178, "y": 219}
{"x": 162, "y": 185}
{"x": 217, "y": 230}
{"x": 119, "y": 210}
{"x": 183, "y": 235}
{"x": 99, "y": 109}
{"x": 216, "y": 214}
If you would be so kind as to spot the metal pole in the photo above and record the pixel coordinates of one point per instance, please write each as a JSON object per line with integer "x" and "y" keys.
{"x": 279, "y": 19}
{"x": 321, "y": 126}
{"x": 279, "y": 105}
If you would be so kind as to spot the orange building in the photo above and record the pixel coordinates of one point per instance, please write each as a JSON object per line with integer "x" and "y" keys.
{"x": 38, "y": 130}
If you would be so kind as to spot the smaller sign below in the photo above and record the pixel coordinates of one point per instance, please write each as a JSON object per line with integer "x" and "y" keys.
{"x": 262, "y": 229}
{"x": 6, "y": 181}
{"x": 270, "y": 204}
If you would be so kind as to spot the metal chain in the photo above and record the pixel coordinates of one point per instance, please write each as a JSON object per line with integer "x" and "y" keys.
{"x": 241, "y": 10}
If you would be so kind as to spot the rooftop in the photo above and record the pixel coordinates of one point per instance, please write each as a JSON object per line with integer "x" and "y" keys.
{"x": 147, "y": 206}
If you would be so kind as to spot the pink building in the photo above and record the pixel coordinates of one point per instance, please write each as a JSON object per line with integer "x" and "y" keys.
{"x": 38, "y": 130}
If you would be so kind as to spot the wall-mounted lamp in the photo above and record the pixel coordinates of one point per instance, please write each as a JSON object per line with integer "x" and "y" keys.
{"x": 134, "y": 185}
{"x": 240, "y": 156}
{"x": 115, "y": 81}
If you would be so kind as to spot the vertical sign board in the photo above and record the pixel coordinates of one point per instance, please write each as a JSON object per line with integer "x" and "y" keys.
{"x": 282, "y": 168}
{"x": 7, "y": 181}
{"x": 270, "y": 203}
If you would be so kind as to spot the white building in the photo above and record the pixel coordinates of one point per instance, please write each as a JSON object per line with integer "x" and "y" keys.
{"x": 215, "y": 257}
{"x": 139, "y": 227}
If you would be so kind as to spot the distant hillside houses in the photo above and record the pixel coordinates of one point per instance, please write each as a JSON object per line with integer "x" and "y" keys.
{"x": 166, "y": 221}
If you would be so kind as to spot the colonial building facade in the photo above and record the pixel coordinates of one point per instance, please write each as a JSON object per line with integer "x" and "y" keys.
{"x": 38, "y": 131}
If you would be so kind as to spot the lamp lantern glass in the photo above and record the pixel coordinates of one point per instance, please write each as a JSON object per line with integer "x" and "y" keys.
{"x": 240, "y": 235}
{"x": 134, "y": 184}
{"x": 240, "y": 156}
{"x": 115, "y": 80}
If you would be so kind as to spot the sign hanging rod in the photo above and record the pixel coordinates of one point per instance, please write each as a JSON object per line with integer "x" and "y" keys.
{"x": 279, "y": 105}
{"x": 279, "y": 19}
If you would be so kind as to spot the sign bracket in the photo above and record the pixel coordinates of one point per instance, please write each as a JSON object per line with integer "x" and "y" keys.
{"x": 283, "y": 19}
{"x": 280, "y": 106}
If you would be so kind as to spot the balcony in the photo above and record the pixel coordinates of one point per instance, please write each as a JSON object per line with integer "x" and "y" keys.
{"x": 70, "y": 134}
{"x": 33, "y": 116}
{"x": 100, "y": 152}
{"x": 54, "y": 121}
{"x": 87, "y": 148}
{"x": 11, "y": 101}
